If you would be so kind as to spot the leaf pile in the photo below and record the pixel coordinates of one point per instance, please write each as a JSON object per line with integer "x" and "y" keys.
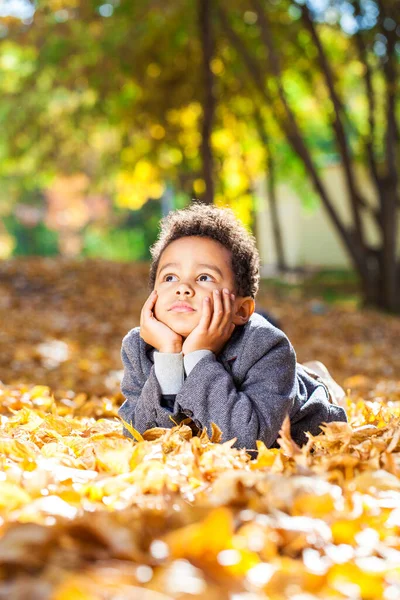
{"x": 87, "y": 513}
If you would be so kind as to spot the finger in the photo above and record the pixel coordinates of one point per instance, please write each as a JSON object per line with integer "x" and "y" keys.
{"x": 151, "y": 300}
{"x": 218, "y": 309}
{"x": 227, "y": 305}
{"x": 147, "y": 309}
{"x": 206, "y": 314}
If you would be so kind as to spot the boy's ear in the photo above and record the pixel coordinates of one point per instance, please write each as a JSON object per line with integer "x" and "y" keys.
{"x": 243, "y": 310}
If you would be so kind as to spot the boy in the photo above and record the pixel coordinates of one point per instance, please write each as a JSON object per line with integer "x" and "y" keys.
{"x": 202, "y": 352}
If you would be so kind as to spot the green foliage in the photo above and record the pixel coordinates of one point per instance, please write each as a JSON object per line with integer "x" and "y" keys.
{"x": 32, "y": 241}
{"x": 114, "y": 244}
{"x": 118, "y": 96}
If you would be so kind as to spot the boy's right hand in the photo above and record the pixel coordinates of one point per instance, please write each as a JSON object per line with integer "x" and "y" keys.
{"x": 155, "y": 333}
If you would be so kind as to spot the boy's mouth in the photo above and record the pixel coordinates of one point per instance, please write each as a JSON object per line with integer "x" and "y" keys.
{"x": 181, "y": 307}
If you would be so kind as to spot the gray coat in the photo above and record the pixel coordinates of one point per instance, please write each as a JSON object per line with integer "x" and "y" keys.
{"x": 247, "y": 390}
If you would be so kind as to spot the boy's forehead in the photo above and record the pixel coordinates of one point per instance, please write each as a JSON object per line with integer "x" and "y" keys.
{"x": 212, "y": 253}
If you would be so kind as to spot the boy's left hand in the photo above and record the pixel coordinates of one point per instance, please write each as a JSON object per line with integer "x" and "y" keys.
{"x": 215, "y": 326}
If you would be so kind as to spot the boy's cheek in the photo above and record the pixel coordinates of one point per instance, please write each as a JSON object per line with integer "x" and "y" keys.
{"x": 161, "y": 315}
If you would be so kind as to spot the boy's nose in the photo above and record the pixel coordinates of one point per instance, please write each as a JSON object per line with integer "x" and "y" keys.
{"x": 184, "y": 290}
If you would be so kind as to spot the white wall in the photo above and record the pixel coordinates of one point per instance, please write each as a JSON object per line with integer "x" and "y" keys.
{"x": 309, "y": 237}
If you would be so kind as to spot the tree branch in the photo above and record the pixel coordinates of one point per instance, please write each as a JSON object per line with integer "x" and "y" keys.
{"x": 288, "y": 124}
{"x": 270, "y": 168}
{"x": 355, "y": 198}
{"x": 362, "y": 52}
{"x": 204, "y": 8}
{"x": 391, "y": 180}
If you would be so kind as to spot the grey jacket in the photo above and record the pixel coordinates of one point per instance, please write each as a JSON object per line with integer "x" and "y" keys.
{"x": 247, "y": 389}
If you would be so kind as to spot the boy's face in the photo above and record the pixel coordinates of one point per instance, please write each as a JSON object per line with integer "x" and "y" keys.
{"x": 190, "y": 269}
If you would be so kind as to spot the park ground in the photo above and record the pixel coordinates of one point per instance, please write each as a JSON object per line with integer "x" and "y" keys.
{"x": 63, "y": 322}
{"x": 87, "y": 513}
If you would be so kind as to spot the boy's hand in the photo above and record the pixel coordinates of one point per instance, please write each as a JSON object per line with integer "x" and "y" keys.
{"x": 215, "y": 326}
{"x": 155, "y": 333}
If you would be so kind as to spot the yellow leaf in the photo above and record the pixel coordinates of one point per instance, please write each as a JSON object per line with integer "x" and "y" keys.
{"x": 209, "y": 537}
{"x": 12, "y": 496}
{"x": 266, "y": 457}
{"x": 216, "y": 435}
{"x": 151, "y": 477}
{"x": 134, "y": 433}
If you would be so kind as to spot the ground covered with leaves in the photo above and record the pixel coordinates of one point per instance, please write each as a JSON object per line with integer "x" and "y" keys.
{"x": 86, "y": 513}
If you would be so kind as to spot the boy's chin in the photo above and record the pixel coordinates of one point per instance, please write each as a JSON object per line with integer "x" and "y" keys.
{"x": 181, "y": 328}
{"x": 184, "y": 332}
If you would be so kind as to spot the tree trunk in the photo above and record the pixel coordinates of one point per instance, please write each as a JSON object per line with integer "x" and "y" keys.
{"x": 276, "y": 226}
{"x": 391, "y": 180}
{"x": 271, "y": 191}
{"x": 379, "y": 270}
{"x": 204, "y": 7}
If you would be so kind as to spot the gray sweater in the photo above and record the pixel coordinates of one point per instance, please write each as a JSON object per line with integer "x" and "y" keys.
{"x": 247, "y": 389}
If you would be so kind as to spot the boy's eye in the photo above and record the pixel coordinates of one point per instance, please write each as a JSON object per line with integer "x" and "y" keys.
{"x": 202, "y": 277}
{"x": 205, "y": 275}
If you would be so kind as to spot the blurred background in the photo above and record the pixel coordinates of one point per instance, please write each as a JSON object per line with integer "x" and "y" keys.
{"x": 112, "y": 113}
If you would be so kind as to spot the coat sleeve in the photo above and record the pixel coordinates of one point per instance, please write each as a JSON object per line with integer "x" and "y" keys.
{"x": 143, "y": 397}
{"x": 255, "y": 410}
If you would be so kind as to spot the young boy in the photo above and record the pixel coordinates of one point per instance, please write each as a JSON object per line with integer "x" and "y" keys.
{"x": 202, "y": 352}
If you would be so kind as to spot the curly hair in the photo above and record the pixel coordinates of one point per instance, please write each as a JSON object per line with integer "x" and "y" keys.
{"x": 221, "y": 225}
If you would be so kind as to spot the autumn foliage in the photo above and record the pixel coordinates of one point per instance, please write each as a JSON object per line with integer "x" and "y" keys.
{"x": 86, "y": 513}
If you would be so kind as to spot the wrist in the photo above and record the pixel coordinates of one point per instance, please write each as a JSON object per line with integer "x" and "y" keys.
{"x": 189, "y": 349}
{"x": 171, "y": 349}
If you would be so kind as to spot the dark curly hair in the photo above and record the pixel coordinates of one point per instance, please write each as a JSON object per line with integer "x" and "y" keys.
{"x": 221, "y": 225}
